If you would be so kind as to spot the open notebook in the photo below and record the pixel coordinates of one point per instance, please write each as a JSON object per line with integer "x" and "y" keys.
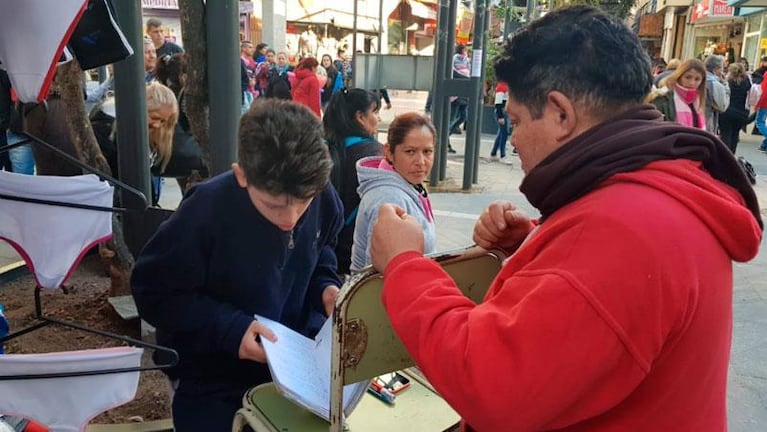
{"x": 300, "y": 368}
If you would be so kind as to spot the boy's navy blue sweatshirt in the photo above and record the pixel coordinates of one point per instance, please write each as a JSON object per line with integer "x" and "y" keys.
{"x": 217, "y": 261}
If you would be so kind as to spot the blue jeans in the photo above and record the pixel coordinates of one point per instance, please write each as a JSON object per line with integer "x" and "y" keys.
{"x": 22, "y": 159}
{"x": 761, "y": 124}
{"x": 156, "y": 190}
{"x": 458, "y": 114}
{"x": 501, "y": 137}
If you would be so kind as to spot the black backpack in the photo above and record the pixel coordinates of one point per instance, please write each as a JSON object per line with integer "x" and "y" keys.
{"x": 278, "y": 85}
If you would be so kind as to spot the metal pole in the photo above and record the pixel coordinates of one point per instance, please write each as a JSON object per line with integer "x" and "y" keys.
{"x": 354, "y": 31}
{"x": 507, "y": 18}
{"x": 530, "y": 11}
{"x": 379, "y": 59}
{"x": 440, "y": 109}
{"x": 481, "y": 105}
{"x": 131, "y": 119}
{"x": 223, "y": 82}
{"x": 475, "y": 102}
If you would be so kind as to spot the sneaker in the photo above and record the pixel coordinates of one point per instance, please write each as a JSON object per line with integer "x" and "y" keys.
{"x": 450, "y": 149}
{"x": 763, "y": 149}
{"x": 506, "y": 161}
{"x": 495, "y": 158}
{"x": 514, "y": 151}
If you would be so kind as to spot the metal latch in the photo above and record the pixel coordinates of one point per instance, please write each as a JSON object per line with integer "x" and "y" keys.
{"x": 355, "y": 342}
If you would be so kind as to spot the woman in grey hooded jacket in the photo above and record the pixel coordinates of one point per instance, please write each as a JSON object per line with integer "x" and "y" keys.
{"x": 396, "y": 178}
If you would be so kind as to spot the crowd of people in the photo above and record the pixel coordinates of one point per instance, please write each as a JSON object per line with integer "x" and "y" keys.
{"x": 712, "y": 95}
{"x": 615, "y": 306}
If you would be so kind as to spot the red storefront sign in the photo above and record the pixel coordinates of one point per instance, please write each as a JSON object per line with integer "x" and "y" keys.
{"x": 711, "y": 8}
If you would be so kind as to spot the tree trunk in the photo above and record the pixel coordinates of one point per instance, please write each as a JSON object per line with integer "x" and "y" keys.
{"x": 195, "y": 38}
{"x": 114, "y": 254}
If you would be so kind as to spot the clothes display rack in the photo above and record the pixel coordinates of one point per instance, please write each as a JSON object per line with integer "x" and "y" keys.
{"x": 42, "y": 319}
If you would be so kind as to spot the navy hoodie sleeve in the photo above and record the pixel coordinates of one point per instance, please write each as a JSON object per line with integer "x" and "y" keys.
{"x": 169, "y": 279}
{"x": 325, "y": 273}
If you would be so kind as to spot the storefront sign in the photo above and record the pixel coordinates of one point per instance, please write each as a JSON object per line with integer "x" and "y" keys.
{"x": 651, "y": 25}
{"x": 711, "y": 8}
{"x": 160, "y": 4}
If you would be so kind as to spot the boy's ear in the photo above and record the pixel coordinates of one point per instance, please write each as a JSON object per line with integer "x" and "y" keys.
{"x": 239, "y": 174}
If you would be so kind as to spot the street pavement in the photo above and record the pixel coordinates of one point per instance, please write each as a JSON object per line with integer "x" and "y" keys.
{"x": 456, "y": 212}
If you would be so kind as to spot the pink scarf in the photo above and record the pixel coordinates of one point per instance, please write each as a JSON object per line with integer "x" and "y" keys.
{"x": 683, "y": 97}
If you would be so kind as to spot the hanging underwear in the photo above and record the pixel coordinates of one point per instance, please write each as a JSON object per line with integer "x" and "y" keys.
{"x": 67, "y": 404}
{"x": 31, "y": 60}
{"x": 52, "y": 239}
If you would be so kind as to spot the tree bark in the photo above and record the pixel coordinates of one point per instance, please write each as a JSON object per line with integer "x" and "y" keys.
{"x": 115, "y": 254}
{"x": 196, "y": 105}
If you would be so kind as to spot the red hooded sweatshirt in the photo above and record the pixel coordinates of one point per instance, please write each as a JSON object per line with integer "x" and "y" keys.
{"x": 614, "y": 315}
{"x": 306, "y": 91}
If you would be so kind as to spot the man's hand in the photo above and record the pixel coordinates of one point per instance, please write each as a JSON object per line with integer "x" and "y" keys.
{"x": 502, "y": 225}
{"x": 329, "y": 296}
{"x": 501, "y": 121}
{"x": 394, "y": 232}
{"x": 250, "y": 349}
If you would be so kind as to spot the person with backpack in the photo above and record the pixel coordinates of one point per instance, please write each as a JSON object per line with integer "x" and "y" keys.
{"x": 351, "y": 125}
{"x": 277, "y": 79}
{"x": 306, "y": 90}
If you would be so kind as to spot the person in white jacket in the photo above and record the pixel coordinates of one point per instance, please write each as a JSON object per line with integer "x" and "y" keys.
{"x": 396, "y": 178}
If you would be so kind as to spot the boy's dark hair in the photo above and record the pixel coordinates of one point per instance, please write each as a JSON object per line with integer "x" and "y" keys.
{"x": 340, "y": 119}
{"x": 580, "y": 51}
{"x": 281, "y": 149}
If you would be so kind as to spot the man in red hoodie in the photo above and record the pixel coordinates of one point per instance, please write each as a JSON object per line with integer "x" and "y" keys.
{"x": 614, "y": 312}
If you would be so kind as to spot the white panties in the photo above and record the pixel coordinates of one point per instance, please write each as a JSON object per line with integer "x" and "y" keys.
{"x": 68, "y": 404}
{"x": 52, "y": 239}
{"x": 31, "y": 61}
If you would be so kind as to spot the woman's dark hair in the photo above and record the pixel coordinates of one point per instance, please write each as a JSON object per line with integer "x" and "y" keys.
{"x": 403, "y": 124}
{"x": 459, "y": 48}
{"x": 340, "y": 119}
{"x": 259, "y": 47}
{"x": 331, "y": 70}
{"x": 308, "y": 63}
{"x": 169, "y": 70}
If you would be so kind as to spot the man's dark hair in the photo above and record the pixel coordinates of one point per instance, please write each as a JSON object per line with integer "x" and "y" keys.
{"x": 261, "y": 46}
{"x": 281, "y": 149}
{"x": 582, "y": 52}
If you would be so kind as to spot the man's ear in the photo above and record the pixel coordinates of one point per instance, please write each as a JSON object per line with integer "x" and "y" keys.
{"x": 561, "y": 113}
{"x": 239, "y": 174}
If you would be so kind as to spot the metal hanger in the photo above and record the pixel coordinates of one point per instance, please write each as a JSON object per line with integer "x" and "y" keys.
{"x": 85, "y": 167}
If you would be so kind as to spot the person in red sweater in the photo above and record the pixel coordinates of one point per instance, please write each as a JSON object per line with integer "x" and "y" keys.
{"x": 614, "y": 312}
{"x": 306, "y": 90}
